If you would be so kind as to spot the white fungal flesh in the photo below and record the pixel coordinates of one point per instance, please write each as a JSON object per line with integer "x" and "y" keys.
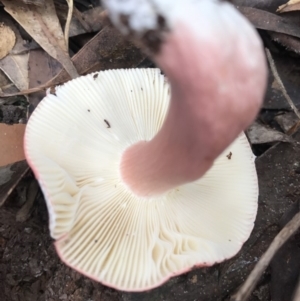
{"x": 74, "y": 142}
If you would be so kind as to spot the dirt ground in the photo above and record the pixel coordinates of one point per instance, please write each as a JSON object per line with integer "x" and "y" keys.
{"x": 30, "y": 270}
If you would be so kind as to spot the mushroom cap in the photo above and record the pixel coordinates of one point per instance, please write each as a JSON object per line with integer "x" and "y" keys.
{"x": 74, "y": 141}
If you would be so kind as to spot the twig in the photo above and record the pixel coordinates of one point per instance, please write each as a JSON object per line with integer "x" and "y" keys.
{"x": 297, "y": 292}
{"x": 278, "y": 79}
{"x": 68, "y": 21}
{"x": 248, "y": 286}
{"x": 42, "y": 87}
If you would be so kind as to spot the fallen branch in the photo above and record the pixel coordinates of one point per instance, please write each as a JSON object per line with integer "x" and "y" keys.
{"x": 296, "y": 126}
{"x": 248, "y": 286}
{"x": 279, "y": 81}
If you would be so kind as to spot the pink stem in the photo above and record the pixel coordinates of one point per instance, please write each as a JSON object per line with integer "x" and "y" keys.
{"x": 214, "y": 98}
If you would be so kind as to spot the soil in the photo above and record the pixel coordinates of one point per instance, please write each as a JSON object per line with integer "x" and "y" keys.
{"x": 11, "y": 114}
{"x": 30, "y": 269}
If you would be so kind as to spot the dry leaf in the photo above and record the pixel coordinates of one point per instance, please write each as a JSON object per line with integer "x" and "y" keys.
{"x": 107, "y": 50}
{"x": 7, "y": 40}
{"x": 6, "y": 86}
{"x": 289, "y": 42}
{"x": 287, "y": 121}
{"x": 42, "y": 24}
{"x": 42, "y": 67}
{"x": 10, "y": 176}
{"x": 15, "y": 66}
{"x": 267, "y": 21}
{"x": 11, "y": 137}
{"x": 35, "y": 2}
{"x": 259, "y": 133}
{"x": 291, "y": 5}
{"x": 4, "y": 81}
{"x": 21, "y": 46}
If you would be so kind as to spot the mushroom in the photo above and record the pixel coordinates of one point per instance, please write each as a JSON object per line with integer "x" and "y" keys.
{"x": 74, "y": 143}
{"x": 144, "y": 180}
{"x": 216, "y": 66}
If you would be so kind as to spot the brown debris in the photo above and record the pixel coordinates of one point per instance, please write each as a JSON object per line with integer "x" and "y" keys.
{"x": 8, "y": 40}
{"x": 291, "y": 5}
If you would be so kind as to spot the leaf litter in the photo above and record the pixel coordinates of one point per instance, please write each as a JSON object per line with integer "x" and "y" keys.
{"x": 8, "y": 40}
{"x": 42, "y": 24}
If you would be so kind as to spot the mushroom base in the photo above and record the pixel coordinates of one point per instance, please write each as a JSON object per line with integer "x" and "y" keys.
{"x": 136, "y": 173}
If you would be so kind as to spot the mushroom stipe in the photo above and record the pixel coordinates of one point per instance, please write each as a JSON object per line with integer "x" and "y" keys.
{"x": 100, "y": 227}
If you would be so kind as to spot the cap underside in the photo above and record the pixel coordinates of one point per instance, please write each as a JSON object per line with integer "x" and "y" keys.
{"x": 74, "y": 141}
